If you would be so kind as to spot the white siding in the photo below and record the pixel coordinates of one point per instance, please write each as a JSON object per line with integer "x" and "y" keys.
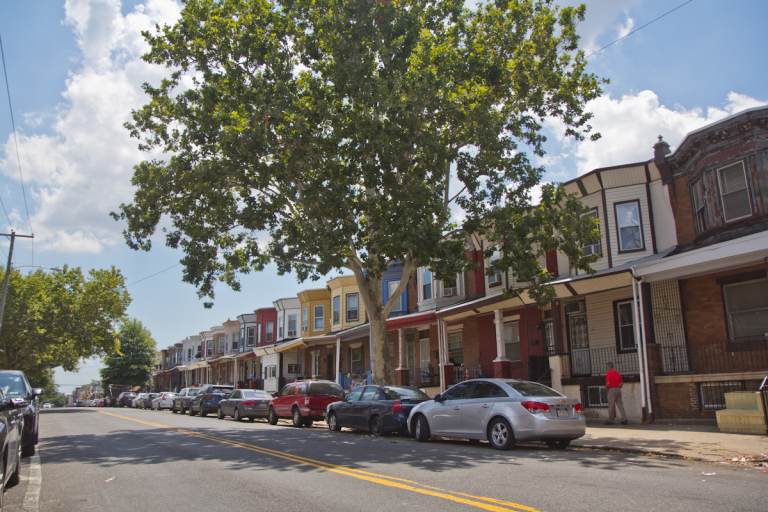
{"x": 663, "y": 218}
{"x": 618, "y": 195}
{"x": 600, "y": 321}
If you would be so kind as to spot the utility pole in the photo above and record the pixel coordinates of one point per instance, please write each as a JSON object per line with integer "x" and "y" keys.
{"x": 7, "y": 276}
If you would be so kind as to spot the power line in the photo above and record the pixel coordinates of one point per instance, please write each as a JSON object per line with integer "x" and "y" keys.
{"x": 155, "y": 274}
{"x": 654, "y": 20}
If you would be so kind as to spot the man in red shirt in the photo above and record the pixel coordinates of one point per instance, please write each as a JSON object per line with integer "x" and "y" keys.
{"x": 613, "y": 383}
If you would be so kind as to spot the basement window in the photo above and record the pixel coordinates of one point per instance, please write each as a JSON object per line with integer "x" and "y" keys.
{"x": 597, "y": 396}
{"x": 712, "y": 394}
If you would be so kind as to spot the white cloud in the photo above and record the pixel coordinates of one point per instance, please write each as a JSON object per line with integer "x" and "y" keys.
{"x": 625, "y": 28}
{"x": 630, "y": 125}
{"x": 82, "y": 170}
{"x": 601, "y": 19}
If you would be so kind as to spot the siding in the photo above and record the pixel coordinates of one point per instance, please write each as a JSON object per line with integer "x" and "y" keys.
{"x": 629, "y": 193}
{"x": 663, "y": 218}
{"x": 600, "y": 321}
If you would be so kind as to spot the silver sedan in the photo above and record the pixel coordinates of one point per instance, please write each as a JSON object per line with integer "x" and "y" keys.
{"x": 501, "y": 411}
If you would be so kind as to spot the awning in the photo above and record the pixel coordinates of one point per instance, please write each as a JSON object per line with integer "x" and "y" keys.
{"x": 411, "y": 320}
{"x": 246, "y": 355}
{"x": 265, "y": 350}
{"x": 197, "y": 364}
{"x": 222, "y": 359}
{"x": 290, "y": 345}
{"x": 315, "y": 341}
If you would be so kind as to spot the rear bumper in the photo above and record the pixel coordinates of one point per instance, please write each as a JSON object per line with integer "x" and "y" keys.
{"x": 253, "y": 412}
{"x": 541, "y": 428}
{"x": 395, "y": 423}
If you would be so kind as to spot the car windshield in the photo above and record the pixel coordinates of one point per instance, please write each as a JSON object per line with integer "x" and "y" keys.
{"x": 326, "y": 388}
{"x": 532, "y": 388}
{"x": 252, "y": 393}
{"x": 12, "y": 385}
{"x": 396, "y": 393}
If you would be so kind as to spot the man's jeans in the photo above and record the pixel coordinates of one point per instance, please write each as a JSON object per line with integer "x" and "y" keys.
{"x": 614, "y": 400}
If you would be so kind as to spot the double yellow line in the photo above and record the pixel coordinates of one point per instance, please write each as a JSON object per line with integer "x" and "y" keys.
{"x": 479, "y": 502}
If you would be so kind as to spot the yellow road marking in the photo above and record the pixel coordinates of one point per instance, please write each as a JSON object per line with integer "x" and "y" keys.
{"x": 480, "y": 502}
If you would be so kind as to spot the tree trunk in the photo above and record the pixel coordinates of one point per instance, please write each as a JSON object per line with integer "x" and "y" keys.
{"x": 378, "y": 340}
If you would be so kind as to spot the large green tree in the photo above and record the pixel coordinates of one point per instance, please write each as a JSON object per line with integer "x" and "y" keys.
{"x": 133, "y": 364}
{"x": 58, "y": 318}
{"x": 333, "y": 134}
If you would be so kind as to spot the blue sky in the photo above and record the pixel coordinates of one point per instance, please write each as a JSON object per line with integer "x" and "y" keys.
{"x": 74, "y": 73}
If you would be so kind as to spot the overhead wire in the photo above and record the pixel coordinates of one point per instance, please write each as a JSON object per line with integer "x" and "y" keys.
{"x": 644, "y": 25}
{"x": 155, "y": 274}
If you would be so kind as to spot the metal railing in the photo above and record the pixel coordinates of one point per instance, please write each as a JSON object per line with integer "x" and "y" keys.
{"x": 461, "y": 373}
{"x": 423, "y": 377}
{"x": 674, "y": 359}
{"x": 594, "y": 361}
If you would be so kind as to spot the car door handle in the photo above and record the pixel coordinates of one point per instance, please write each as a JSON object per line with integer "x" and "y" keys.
{"x": 457, "y": 408}
{"x": 485, "y": 406}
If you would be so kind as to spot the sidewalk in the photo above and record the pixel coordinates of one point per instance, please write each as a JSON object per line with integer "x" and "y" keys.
{"x": 695, "y": 442}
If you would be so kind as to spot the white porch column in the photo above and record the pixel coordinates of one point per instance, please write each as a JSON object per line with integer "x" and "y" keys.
{"x": 401, "y": 349}
{"x": 501, "y": 348}
{"x": 236, "y": 372}
{"x": 644, "y": 346}
{"x": 636, "y": 325}
{"x": 442, "y": 352}
{"x": 338, "y": 360}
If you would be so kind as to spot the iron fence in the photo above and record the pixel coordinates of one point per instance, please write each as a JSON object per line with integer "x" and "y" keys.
{"x": 461, "y": 373}
{"x": 674, "y": 359}
{"x": 424, "y": 376}
{"x": 594, "y": 361}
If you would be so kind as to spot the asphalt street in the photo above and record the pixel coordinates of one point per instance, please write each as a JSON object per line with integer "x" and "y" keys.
{"x": 123, "y": 460}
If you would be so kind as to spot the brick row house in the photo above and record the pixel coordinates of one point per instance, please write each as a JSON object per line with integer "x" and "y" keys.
{"x": 677, "y": 300}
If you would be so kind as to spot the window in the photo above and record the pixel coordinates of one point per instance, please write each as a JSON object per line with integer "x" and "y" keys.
{"x": 189, "y": 354}
{"x": 450, "y": 288}
{"x": 426, "y": 285}
{"x": 235, "y": 341}
{"x": 712, "y": 394}
{"x": 549, "y": 336}
{"x": 222, "y": 345}
{"x": 594, "y": 249}
{"x": 495, "y": 276}
{"x": 288, "y": 390}
{"x": 483, "y": 389}
{"x": 294, "y": 368}
{"x": 250, "y": 336}
{"x": 291, "y": 326}
{"x": 326, "y": 389}
{"x": 577, "y": 325}
{"x": 356, "y": 360}
{"x": 512, "y": 340}
{"x": 625, "y": 325}
{"x": 746, "y": 306}
{"x": 459, "y": 391}
{"x": 270, "y": 371}
{"x": 424, "y": 353}
{"x": 352, "y": 307}
{"x": 258, "y": 333}
{"x": 734, "y": 192}
{"x": 315, "y": 363}
{"x": 280, "y": 332}
{"x": 209, "y": 348}
{"x": 370, "y": 393}
{"x": 270, "y": 331}
{"x": 699, "y": 195}
{"x": 630, "y": 231}
{"x": 305, "y": 319}
{"x": 355, "y": 395}
{"x": 319, "y": 317}
{"x": 597, "y": 396}
{"x": 392, "y": 288}
{"x": 336, "y": 309}
{"x": 455, "y": 348}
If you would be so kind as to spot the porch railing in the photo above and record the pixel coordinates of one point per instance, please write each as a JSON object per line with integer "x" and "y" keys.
{"x": 425, "y": 376}
{"x": 461, "y": 373}
{"x": 674, "y": 359}
{"x": 594, "y": 361}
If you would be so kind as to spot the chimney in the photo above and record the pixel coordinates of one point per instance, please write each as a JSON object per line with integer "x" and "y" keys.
{"x": 660, "y": 152}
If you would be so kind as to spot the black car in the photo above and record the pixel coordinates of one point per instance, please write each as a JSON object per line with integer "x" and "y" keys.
{"x": 125, "y": 399}
{"x": 377, "y": 409}
{"x": 11, "y": 434}
{"x": 15, "y": 386}
{"x": 207, "y": 399}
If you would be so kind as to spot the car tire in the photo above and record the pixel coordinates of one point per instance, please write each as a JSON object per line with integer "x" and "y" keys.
{"x": 272, "y": 417}
{"x": 500, "y": 435}
{"x": 558, "y": 444}
{"x": 237, "y": 415}
{"x": 375, "y": 426}
{"x": 220, "y": 415}
{"x": 298, "y": 421}
{"x": 333, "y": 423}
{"x": 15, "y": 477}
{"x": 421, "y": 428}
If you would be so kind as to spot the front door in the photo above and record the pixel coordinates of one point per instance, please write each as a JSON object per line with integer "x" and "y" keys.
{"x": 581, "y": 363}
{"x": 446, "y": 417}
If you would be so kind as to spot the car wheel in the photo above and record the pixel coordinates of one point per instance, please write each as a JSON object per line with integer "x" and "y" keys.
{"x": 237, "y": 415}
{"x": 558, "y": 444}
{"x": 333, "y": 423}
{"x": 15, "y": 477}
{"x": 421, "y": 428}
{"x": 272, "y": 417}
{"x": 296, "y": 416}
{"x": 375, "y": 427}
{"x": 220, "y": 415}
{"x": 500, "y": 434}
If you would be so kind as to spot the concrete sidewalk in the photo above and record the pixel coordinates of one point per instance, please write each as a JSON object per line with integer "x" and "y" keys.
{"x": 695, "y": 442}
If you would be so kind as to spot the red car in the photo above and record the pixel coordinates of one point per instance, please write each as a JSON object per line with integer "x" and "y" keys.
{"x": 304, "y": 401}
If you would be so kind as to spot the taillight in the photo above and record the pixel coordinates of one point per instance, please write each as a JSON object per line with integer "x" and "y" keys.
{"x": 578, "y": 408}
{"x": 535, "y": 407}
{"x": 248, "y": 403}
{"x": 397, "y": 407}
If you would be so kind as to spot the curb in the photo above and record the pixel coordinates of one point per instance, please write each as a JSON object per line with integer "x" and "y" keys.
{"x": 642, "y": 451}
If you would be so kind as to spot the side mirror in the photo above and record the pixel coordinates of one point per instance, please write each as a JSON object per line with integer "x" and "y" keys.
{"x": 37, "y": 392}
{"x": 439, "y": 397}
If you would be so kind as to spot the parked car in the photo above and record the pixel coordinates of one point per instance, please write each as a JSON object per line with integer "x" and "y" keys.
{"x": 501, "y": 411}
{"x": 182, "y": 401}
{"x": 47, "y": 405}
{"x": 304, "y": 401}
{"x": 138, "y": 400}
{"x": 125, "y": 399}
{"x": 207, "y": 399}
{"x": 146, "y": 403}
{"x": 11, "y": 440}
{"x": 377, "y": 409}
{"x": 163, "y": 401}
{"x": 245, "y": 403}
{"x": 15, "y": 386}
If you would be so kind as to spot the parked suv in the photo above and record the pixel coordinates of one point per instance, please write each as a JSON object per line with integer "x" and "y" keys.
{"x": 182, "y": 401}
{"x": 304, "y": 401}
{"x": 11, "y": 433}
{"x": 207, "y": 399}
{"x": 15, "y": 386}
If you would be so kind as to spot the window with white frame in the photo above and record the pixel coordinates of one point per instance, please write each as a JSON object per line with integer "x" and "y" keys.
{"x": 625, "y": 325}
{"x": 596, "y": 248}
{"x": 426, "y": 284}
{"x": 392, "y": 288}
{"x": 597, "y": 396}
{"x": 629, "y": 227}
{"x": 353, "y": 308}
{"x": 270, "y": 331}
{"x": 235, "y": 341}
{"x": 512, "y": 340}
{"x": 222, "y": 345}
{"x": 319, "y": 314}
{"x": 699, "y": 198}
{"x": 270, "y": 371}
{"x": 209, "y": 348}
{"x": 336, "y": 309}
{"x": 305, "y": 319}
{"x": 250, "y": 336}
{"x": 455, "y": 348}
{"x": 356, "y": 360}
{"x": 734, "y": 192}
{"x": 280, "y": 330}
{"x": 294, "y": 368}
{"x": 291, "y": 325}
{"x": 450, "y": 286}
{"x": 315, "y": 363}
{"x": 746, "y": 306}
{"x": 495, "y": 275}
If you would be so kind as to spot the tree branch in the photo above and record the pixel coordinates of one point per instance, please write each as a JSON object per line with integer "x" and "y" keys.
{"x": 408, "y": 268}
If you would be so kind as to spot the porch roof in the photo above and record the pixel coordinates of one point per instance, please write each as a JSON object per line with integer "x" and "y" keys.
{"x": 315, "y": 341}
{"x": 354, "y": 332}
{"x": 197, "y": 364}
{"x": 246, "y": 354}
{"x": 289, "y": 345}
{"x": 411, "y": 319}
{"x": 222, "y": 358}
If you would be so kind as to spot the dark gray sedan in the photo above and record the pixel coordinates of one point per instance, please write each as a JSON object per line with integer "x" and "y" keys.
{"x": 377, "y": 409}
{"x": 245, "y": 403}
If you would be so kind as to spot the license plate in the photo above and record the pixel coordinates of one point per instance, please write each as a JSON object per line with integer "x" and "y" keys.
{"x": 563, "y": 412}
